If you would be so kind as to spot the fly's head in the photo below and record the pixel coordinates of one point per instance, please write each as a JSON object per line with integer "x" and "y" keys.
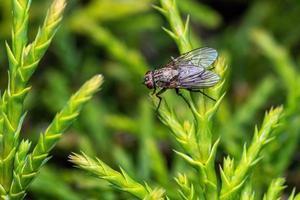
{"x": 148, "y": 80}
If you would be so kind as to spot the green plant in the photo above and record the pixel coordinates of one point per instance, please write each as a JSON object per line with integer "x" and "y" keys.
{"x": 199, "y": 141}
{"x": 19, "y": 165}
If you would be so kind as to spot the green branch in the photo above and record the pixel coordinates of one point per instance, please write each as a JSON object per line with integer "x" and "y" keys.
{"x": 26, "y": 170}
{"x": 119, "y": 179}
{"x": 22, "y": 61}
{"x": 233, "y": 179}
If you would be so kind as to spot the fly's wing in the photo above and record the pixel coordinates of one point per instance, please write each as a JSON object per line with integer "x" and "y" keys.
{"x": 192, "y": 77}
{"x": 201, "y": 57}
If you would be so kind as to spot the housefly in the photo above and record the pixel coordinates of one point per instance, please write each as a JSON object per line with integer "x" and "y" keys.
{"x": 188, "y": 71}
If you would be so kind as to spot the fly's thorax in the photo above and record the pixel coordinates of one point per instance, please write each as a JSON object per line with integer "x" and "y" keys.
{"x": 165, "y": 74}
{"x": 165, "y": 77}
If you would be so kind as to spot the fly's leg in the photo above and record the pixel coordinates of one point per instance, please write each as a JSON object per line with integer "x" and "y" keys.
{"x": 180, "y": 94}
{"x": 154, "y": 91}
{"x": 195, "y": 90}
{"x": 159, "y": 97}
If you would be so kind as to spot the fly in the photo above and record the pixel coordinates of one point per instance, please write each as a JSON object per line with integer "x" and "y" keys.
{"x": 188, "y": 71}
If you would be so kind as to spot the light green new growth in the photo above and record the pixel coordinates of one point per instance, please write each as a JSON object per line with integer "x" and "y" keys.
{"x": 248, "y": 193}
{"x": 233, "y": 178}
{"x": 19, "y": 32}
{"x": 156, "y": 194}
{"x": 18, "y": 166}
{"x": 119, "y": 179}
{"x": 187, "y": 190}
{"x": 275, "y": 189}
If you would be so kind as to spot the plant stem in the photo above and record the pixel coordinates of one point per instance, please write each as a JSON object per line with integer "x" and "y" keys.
{"x": 200, "y": 144}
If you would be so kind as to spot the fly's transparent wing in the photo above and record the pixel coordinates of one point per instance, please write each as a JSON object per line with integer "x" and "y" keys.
{"x": 196, "y": 77}
{"x": 201, "y": 57}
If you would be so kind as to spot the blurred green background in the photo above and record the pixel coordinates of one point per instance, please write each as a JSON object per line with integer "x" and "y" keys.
{"x": 122, "y": 39}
